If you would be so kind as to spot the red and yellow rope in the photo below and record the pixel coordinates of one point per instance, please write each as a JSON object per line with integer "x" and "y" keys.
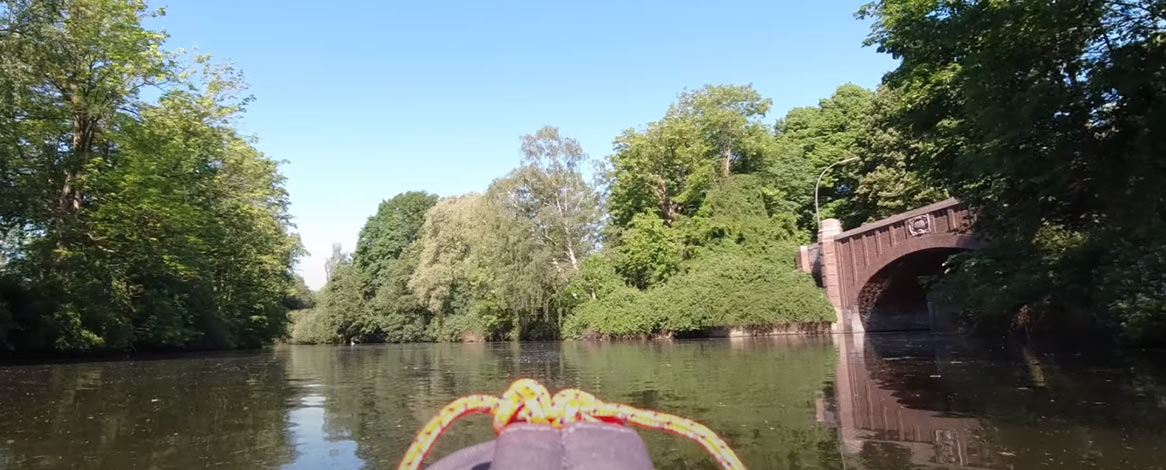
{"x": 528, "y": 401}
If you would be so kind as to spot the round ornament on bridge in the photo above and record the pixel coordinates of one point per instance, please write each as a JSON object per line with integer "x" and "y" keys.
{"x": 919, "y": 225}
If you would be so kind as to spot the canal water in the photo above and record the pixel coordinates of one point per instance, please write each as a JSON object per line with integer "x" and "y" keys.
{"x": 859, "y": 402}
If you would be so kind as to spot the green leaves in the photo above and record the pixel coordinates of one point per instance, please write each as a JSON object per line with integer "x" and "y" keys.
{"x": 666, "y": 168}
{"x": 704, "y": 204}
{"x": 648, "y": 251}
{"x": 389, "y": 232}
{"x": 138, "y": 224}
{"x": 1046, "y": 117}
{"x": 477, "y": 266}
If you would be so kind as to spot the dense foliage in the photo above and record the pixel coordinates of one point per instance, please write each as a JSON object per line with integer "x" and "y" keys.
{"x": 127, "y": 222}
{"x": 1048, "y": 119}
{"x": 1045, "y": 117}
{"x": 708, "y": 248}
{"x": 853, "y": 122}
{"x": 699, "y": 236}
{"x": 703, "y": 234}
{"x": 477, "y": 266}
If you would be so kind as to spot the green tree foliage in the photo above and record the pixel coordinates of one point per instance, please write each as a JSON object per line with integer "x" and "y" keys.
{"x": 389, "y": 232}
{"x": 447, "y": 268}
{"x": 648, "y": 251}
{"x": 853, "y": 122}
{"x": 344, "y": 301}
{"x": 666, "y": 168}
{"x": 1047, "y": 118}
{"x": 735, "y": 272}
{"x": 504, "y": 258}
{"x": 703, "y": 227}
{"x": 299, "y": 296}
{"x": 367, "y": 297}
{"x": 401, "y": 316}
{"x": 478, "y": 266}
{"x": 131, "y": 223}
{"x": 552, "y": 194}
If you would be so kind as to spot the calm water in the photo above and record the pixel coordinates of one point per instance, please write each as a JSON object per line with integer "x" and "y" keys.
{"x": 873, "y": 402}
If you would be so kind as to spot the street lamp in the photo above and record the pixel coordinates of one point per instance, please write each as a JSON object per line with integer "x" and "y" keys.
{"x": 817, "y": 214}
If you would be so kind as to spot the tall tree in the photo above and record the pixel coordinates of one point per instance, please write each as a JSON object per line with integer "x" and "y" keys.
{"x": 1047, "y": 118}
{"x": 554, "y": 195}
{"x": 132, "y": 223}
{"x": 70, "y": 68}
{"x": 337, "y": 258}
{"x": 387, "y": 234}
{"x": 667, "y": 168}
{"x": 447, "y": 261}
{"x": 853, "y": 122}
{"x": 498, "y": 262}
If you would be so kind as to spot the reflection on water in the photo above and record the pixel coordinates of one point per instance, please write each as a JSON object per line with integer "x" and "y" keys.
{"x": 209, "y": 411}
{"x": 316, "y": 448}
{"x": 872, "y": 402}
{"x": 921, "y": 401}
{"x": 883, "y": 423}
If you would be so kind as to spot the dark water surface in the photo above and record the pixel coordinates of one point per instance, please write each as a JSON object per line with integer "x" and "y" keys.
{"x": 871, "y": 402}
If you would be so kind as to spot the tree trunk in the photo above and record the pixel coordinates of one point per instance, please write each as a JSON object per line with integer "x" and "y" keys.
{"x": 728, "y": 159}
{"x": 569, "y": 245}
{"x": 69, "y": 197}
{"x": 667, "y": 208}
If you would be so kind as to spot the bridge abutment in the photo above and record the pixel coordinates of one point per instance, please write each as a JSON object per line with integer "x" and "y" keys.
{"x": 828, "y": 230}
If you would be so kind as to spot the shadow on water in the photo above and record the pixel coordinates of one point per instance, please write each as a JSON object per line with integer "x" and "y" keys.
{"x": 875, "y": 401}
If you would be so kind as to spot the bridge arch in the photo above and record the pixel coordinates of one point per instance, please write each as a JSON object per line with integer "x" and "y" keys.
{"x": 851, "y": 259}
{"x": 893, "y": 297}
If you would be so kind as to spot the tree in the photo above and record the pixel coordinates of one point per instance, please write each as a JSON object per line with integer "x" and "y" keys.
{"x": 735, "y": 271}
{"x": 131, "y": 223}
{"x": 853, "y": 122}
{"x": 552, "y": 193}
{"x": 299, "y": 296}
{"x": 702, "y": 227}
{"x": 387, "y": 234}
{"x": 333, "y": 262}
{"x": 447, "y": 261}
{"x": 648, "y": 251}
{"x": 1046, "y": 118}
{"x": 343, "y": 304}
{"x": 70, "y": 68}
{"x": 666, "y": 168}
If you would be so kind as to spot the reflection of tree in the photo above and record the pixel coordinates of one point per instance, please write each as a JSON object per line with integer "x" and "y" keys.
{"x": 1094, "y": 410}
{"x": 222, "y": 411}
{"x": 379, "y": 396}
{"x": 757, "y": 393}
{"x": 885, "y": 456}
{"x": 978, "y": 403}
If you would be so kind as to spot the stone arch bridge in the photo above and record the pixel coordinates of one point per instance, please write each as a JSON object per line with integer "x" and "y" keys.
{"x": 872, "y": 273}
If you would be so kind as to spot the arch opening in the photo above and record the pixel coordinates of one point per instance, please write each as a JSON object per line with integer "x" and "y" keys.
{"x": 896, "y": 297}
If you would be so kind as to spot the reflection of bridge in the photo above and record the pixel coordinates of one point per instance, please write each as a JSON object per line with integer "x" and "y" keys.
{"x": 871, "y": 273}
{"x": 875, "y": 424}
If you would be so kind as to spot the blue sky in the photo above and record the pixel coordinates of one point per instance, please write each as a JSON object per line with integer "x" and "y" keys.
{"x": 366, "y": 99}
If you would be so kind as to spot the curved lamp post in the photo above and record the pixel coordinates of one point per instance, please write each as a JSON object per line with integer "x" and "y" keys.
{"x": 817, "y": 213}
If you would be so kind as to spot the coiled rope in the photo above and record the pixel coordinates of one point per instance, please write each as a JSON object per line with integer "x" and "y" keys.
{"x": 528, "y": 401}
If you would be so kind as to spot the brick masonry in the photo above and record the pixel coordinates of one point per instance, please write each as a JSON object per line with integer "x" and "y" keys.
{"x": 850, "y": 258}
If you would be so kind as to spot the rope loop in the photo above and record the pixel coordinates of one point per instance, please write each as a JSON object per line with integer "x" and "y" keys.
{"x": 527, "y": 401}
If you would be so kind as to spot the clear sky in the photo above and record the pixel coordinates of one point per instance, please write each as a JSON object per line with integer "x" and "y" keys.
{"x": 366, "y": 99}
